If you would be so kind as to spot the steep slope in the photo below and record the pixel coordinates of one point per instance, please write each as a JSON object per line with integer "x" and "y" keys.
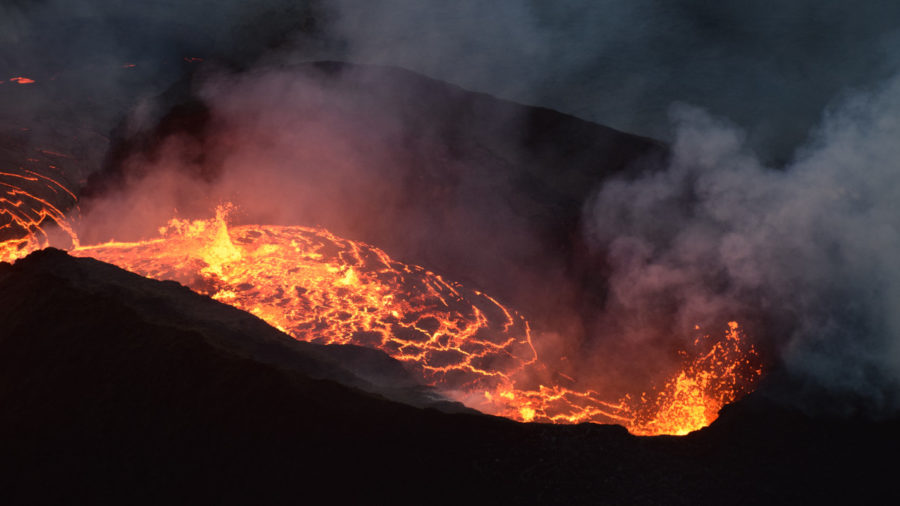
{"x": 115, "y": 388}
{"x": 219, "y": 326}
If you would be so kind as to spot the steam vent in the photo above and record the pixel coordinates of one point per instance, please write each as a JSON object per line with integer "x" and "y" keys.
{"x": 418, "y": 252}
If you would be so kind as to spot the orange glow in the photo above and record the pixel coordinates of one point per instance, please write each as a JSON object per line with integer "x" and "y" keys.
{"x": 26, "y": 208}
{"x": 318, "y": 287}
{"x": 321, "y": 288}
{"x": 55, "y": 153}
{"x": 727, "y": 369}
{"x": 21, "y": 80}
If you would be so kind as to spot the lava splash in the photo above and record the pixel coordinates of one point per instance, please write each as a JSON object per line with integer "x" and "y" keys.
{"x": 318, "y": 287}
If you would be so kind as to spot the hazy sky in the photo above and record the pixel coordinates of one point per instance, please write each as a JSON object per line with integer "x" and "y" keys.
{"x": 770, "y": 67}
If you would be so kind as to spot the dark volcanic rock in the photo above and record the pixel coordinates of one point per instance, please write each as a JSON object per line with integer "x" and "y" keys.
{"x": 115, "y": 388}
{"x": 221, "y": 326}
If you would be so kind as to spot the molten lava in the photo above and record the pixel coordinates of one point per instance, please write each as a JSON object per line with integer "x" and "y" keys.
{"x": 28, "y": 204}
{"x": 321, "y": 288}
{"x": 318, "y": 287}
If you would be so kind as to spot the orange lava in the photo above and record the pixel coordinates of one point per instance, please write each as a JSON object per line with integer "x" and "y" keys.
{"x": 318, "y": 287}
{"x": 321, "y": 288}
{"x": 21, "y": 80}
{"x": 26, "y": 209}
{"x": 724, "y": 371}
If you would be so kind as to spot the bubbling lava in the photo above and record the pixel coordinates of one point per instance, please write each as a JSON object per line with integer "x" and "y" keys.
{"x": 318, "y": 287}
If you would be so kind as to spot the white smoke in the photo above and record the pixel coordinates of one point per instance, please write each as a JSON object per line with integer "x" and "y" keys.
{"x": 814, "y": 246}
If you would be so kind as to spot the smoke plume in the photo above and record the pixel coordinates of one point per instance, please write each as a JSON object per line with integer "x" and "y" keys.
{"x": 812, "y": 246}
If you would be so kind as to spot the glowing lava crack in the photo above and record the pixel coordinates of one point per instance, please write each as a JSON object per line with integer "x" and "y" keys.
{"x": 26, "y": 209}
{"x": 318, "y": 287}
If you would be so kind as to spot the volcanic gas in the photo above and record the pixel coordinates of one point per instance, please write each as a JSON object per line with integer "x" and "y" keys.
{"x": 316, "y": 286}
